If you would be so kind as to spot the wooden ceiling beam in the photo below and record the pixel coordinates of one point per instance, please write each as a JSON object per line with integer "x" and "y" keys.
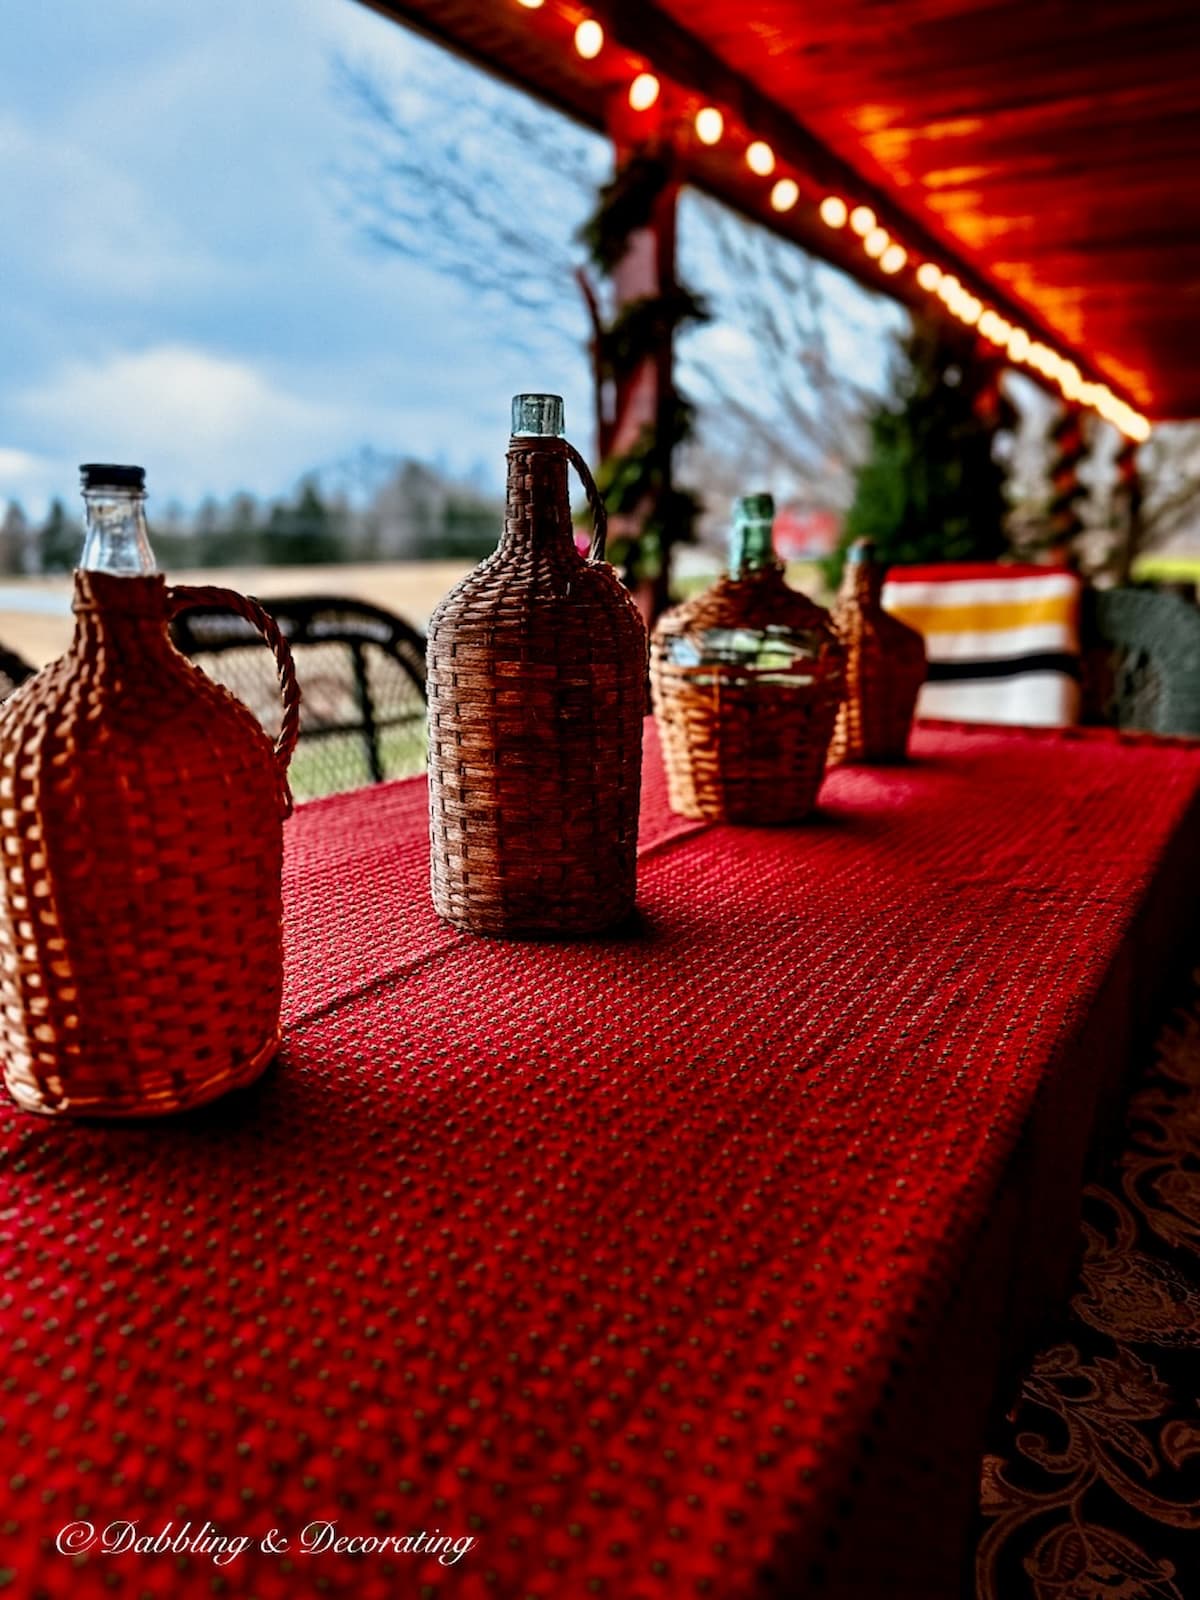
{"x": 1006, "y": 157}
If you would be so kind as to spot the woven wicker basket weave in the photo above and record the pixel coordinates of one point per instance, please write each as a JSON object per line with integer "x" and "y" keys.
{"x": 885, "y": 667}
{"x": 536, "y": 684}
{"x": 141, "y": 827}
{"x": 744, "y": 744}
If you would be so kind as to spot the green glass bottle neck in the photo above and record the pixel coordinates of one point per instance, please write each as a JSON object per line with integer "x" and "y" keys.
{"x": 862, "y": 579}
{"x": 751, "y": 548}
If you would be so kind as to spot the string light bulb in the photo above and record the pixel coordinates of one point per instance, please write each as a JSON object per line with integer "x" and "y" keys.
{"x": 710, "y": 125}
{"x": 643, "y": 91}
{"x": 1018, "y": 344}
{"x": 532, "y": 5}
{"x": 893, "y": 258}
{"x": 785, "y": 194}
{"x": 589, "y": 39}
{"x": 990, "y": 325}
{"x": 877, "y": 241}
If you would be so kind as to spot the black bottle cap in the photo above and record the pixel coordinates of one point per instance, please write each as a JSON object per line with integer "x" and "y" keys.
{"x": 103, "y": 475}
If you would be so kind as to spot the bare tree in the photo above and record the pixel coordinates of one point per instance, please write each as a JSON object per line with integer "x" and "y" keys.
{"x": 478, "y": 182}
{"x": 457, "y": 172}
{"x": 789, "y": 413}
{"x": 1115, "y": 531}
{"x": 1170, "y": 466}
{"x": 474, "y": 180}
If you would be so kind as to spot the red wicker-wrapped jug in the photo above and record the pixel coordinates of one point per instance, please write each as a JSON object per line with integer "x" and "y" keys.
{"x": 885, "y": 667}
{"x": 746, "y": 680}
{"x": 536, "y": 684}
{"x": 141, "y": 812}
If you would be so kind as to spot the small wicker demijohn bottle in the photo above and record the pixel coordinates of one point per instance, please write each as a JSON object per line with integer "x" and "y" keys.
{"x": 746, "y": 680}
{"x": 885, "y": 667}
{"x": 141, "y": 813}
{"x": 536, "y": 684}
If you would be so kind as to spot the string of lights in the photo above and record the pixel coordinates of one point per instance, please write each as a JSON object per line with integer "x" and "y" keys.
{"x": 711, "y": 125}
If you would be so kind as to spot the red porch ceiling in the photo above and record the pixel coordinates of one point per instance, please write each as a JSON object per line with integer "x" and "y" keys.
{"x": 1051, "y": 149}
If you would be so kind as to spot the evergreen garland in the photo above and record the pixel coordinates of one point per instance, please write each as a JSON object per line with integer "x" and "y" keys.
{"x": 626, "y": 203}
{"x": 931, "y": 488}
{"x": 640, "y": 477}
{"x": 644, "y": 326}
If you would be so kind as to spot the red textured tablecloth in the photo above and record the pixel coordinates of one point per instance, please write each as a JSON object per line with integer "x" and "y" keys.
{"x": 641, "y": 1261}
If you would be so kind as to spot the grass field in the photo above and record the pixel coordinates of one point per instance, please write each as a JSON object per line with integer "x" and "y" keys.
{"x": 36, "y": 622}
{"x": 35, "y": 613}
{"x": 1168, "y": 569}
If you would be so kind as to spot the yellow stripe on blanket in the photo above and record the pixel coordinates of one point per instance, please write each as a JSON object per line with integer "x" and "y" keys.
{"x": 982, "y": 617}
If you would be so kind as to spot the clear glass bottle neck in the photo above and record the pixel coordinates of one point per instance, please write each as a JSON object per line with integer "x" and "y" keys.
{"x": 751, "y": 546}
{"x": 116, "y": 540}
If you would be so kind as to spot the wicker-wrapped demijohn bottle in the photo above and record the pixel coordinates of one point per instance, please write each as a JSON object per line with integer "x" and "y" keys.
{"x": 885, "y": 666}
{"x": 746, "y": 680}
{"x": 141, "y": 822}
{"x": 536, "y": 685}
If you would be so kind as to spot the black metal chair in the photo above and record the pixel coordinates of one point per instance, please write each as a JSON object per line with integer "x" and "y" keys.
{"x": 1141, "y": 661}
{"x": 361, "y": 672}
{"x": 14, "y": 669}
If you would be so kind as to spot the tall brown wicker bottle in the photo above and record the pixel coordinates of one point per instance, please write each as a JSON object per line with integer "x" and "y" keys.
{"x": 141, "y": 829}
{"x": 746, "y": 680}
{"x": 536, "y": 683}
{"x": 885, "y": 667}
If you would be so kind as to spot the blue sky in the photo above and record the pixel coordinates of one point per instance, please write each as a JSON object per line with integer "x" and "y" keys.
{"x": 181, "y": 284}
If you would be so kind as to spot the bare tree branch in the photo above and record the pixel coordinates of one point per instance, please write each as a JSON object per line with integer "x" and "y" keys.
{"x": 481, "y": 185}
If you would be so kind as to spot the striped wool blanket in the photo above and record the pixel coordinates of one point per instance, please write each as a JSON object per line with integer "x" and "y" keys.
{"x": 1002, "y": 641}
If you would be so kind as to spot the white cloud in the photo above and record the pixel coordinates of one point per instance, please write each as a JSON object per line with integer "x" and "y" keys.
{"x": 19, "y": 466}
{"x": 199, "y": 423}
{"x": 31, "y": 479}
{"x": 86, "y": 224}
{"x": 180, "y": 287}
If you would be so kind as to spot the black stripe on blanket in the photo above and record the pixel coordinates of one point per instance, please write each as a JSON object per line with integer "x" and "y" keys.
{"x": 1008, "y": 667}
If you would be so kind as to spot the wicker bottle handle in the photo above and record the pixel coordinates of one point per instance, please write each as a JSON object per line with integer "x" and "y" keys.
{"x": 599, "y": 514}
{"x": 183, "y": 597}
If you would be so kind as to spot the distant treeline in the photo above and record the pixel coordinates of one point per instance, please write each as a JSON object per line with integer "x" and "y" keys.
{"x": 417, "y": 514}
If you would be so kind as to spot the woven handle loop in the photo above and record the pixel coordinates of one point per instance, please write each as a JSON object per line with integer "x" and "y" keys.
{"x": 184, "y": 597}
{"x": 599, "y": 514}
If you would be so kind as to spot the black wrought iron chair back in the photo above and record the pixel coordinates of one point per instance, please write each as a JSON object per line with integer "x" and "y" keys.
{"x": 1141, "y": 661}
{"x": 14, "y": 669}
{"x": 362, "y": 675}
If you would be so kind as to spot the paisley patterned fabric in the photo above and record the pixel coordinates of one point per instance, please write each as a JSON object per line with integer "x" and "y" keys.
{"x": 1094, "y": 1492}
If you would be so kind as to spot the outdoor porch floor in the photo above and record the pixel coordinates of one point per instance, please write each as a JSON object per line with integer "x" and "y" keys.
{"x": 1093, "y": 1484}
